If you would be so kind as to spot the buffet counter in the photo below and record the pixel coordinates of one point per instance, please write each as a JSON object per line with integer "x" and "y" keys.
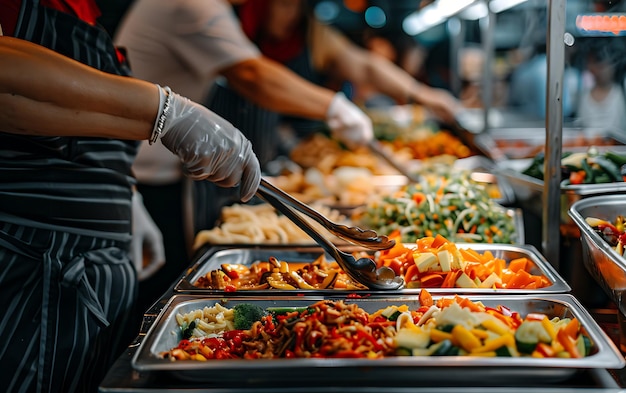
{"x": 423, "y": 375}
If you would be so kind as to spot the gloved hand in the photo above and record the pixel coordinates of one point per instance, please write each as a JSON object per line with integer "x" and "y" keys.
{"x": 210, "y": 147}
{"x": 147, "y": 239}
{"x": 348, "y": 123}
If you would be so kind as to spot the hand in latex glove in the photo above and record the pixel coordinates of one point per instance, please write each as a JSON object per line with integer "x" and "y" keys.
{"x": 348, "y": 123}
{"x": 210, "y": 147}
{"x": 147, "y": 239}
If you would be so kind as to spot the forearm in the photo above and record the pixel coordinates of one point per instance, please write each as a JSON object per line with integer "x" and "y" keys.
{"x": 392, "y": 81}
{"x": 44, "y": 93}
{"x": 275, "y": 87}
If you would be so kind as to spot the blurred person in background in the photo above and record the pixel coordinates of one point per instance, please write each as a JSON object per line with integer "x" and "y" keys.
{"x": 68, "y": 135}
{"x": 602, "y": 104}
{"x": 529, "y": 79}
{"x": 187, "y": 45}
{"x": 286, "y": 31}
{"x": 397, "y": 47}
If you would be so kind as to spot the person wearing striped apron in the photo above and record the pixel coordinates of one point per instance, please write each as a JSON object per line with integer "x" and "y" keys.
{"x": 65, "y": 208}
{"x": 66, "y": 280}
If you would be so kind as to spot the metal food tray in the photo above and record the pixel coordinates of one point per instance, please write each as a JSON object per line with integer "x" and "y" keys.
{"x": 405, "y": 370}
{"x": 529, "y": 190}
{"x": 216, "y": 256}
{"x": 604, "y": 264}
{"x": 527, "y": 142}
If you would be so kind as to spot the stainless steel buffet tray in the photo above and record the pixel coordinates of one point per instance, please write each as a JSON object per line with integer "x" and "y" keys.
{"x": 417, "y": 370}
{"x": 529, "y": 190}
{"x": 501, "y": 144}
{"x": 605, "y": 265}
{"x": 214, "y": 257}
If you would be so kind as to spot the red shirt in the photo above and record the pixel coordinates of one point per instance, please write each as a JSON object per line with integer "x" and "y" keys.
{"x": 86, "y": 10}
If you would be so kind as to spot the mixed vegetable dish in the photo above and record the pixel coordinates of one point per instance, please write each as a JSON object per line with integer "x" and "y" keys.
{"x": 614, "y": 233}
{"x": 590, "y": 167}
{"x": 454, "y": 326}
{"x": 450, "y": 204}
{"x": 431, "y": 262}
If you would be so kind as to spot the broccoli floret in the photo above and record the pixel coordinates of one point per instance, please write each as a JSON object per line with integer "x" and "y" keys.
{"x": 245, "y": 314}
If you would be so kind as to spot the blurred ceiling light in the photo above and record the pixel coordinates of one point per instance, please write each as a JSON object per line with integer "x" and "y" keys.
{"x": 326, "y": 11}
{"x": 433, "y": 14}
{"x": 475, "y": 11}
{"x": 497, "y": 6}
{"x": 375, "y": 17}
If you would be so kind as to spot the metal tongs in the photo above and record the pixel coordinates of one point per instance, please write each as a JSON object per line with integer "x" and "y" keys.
{"x": 362, "y": 270}
{"x": 376, "y": 148}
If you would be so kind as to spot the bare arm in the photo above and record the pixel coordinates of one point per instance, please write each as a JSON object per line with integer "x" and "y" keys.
{"x": 359, "y": 66}
{"x": 275, "y": 87}
{"x": 44, "y": 93}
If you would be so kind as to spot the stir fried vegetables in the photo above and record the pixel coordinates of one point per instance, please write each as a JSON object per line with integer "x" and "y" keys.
{"x": 453, "y": 326}
{"x": 452, "y": 205}
{"x": 436, "y": 262}
{"x": 614, "y": 233}
{"x": 275, "y": 274}
{"x": 590, "y": 167}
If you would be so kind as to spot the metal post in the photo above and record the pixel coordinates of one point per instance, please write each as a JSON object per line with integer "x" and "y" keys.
{"x": 456, "y": 28}
{"x": 487, "y": 25}
{"x": 551, "y": 235}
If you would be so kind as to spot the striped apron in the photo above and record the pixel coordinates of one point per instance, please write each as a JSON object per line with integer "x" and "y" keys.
{"x": 66, "y": 282}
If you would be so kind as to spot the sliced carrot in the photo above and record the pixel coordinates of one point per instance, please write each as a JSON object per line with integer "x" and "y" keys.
{"x": 572, "y": 328}
{"x": 519, "y": 280}
{"x": 432, "y": 280}
{"x": 518, "y": 264}
{"x": 410, "y": 273}
{"x": 425, "y": 298}
{"x": 438, "y": 241}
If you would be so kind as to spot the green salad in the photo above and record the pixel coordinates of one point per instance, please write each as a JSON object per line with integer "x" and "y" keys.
{"x": 448, "y": 204}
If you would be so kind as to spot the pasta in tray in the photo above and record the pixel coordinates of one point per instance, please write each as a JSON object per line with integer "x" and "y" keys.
{"x": 259, "y": 224}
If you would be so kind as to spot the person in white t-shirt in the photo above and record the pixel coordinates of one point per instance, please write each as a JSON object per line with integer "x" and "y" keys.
{"x": 186, "y": 45}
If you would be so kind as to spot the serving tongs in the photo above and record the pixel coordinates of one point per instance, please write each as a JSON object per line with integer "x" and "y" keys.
{"x": 362, "y": 270}
{"x": 376, "y": 148}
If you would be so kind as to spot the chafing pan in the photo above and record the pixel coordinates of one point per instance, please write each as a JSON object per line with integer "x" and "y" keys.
{"x": 214, "y": 257}
{"x": 604, "y": 264}
{"x": 406, "y": 371}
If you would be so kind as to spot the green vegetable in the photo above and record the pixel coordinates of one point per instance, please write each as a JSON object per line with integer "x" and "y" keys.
{"x": 285, "y": 310}
{"x": 583, "y": 343}
{"x": 245, "y": 314}
{"x": 394, "y": 316}
{"x": 609, "y": 167}
{"x": 446, "y": 328}
{"x": 187, "y": 329}
{"x": 504, "y": 351}
{"x": 528, "y": 335}
{"x": 618, "y": 159}
{"x": 445, "y": 348}
{"x": 403, "y": 351}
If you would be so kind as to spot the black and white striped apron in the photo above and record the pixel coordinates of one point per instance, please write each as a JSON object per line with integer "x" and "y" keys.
{"x": 66, "y": 282}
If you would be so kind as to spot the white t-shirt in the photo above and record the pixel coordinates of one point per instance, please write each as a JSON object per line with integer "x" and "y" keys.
{"x": 607, "y": 115}
{"x": 181, "y": 44}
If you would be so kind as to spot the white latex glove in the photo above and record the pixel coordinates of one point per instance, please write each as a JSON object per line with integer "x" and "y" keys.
{"x": 348, "y": 123}
{"x": 210, "y": 147}
{"x": 147, "y": 240}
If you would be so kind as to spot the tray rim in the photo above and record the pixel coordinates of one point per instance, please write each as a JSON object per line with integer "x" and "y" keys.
{"x": 607, "y": 357}
{"x": 559, "y": 285}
